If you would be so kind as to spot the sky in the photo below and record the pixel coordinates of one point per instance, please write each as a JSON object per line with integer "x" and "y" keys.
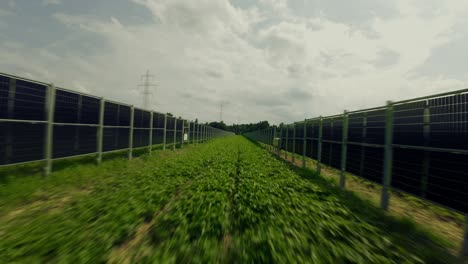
{"x": 275, "y": 60}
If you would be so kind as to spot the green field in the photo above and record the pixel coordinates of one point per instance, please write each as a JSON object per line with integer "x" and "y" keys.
{"x": 227, "y": 201}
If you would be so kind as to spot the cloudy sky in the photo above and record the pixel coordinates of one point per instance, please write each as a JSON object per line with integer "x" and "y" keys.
{"x": 276, "y": 60}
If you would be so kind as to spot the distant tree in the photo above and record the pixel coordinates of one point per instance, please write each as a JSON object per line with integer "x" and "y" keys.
{"x": 219, "y": 125}
{"x": 245, "y": 128}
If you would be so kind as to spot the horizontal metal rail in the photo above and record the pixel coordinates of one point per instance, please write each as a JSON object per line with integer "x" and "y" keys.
{"x": 23, "y": 121}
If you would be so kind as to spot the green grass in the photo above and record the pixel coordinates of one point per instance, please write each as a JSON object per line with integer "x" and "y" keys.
{"x": 228, "y": 201}
{"x": 439, "y": 220}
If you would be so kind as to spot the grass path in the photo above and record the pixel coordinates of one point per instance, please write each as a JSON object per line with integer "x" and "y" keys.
{"x": 439, "y": 220}
{"x": 228, "y": 201}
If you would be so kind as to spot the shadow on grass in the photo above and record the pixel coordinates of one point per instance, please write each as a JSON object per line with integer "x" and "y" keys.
{"x": 403, "y": 231}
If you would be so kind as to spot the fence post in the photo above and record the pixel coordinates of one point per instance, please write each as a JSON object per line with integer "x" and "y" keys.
{"x": 150, "y": 140}
{"x": 286, "y": 143}
{"x": 201, "y": 134}
{"x": 280, "y": 142}
{"x": 312, "y": 140}
{"x": 294, "y": 144}
{"x": 200, "y": 140}
{"x": 272, "y": 136}
{"x": 78, "y": 119}
{"x": 319, "y": 148}
{"x": 344, "y": 149}
{"x": 130, "y": 137}
{"x": 11, "y": 115}
{"x": 330, "y": 152}
{"x": 363, "y": 148}
{"x": 193, "y": 129}
{"x": 427, "y": 154}
{"x": 188, "y": 132}
{"x": 175, "y": 134}
{"x": 100, "y": 131}
{"x": 204, "y": 133}
{"x": 197, "y": 133}
{"x": 182, "y": 133}
{"x": 165, "y": 132}
{"x": 197, "y": 129}
{"x": 388, "y": 158}
{"x": 49, "y": 131}
{"x": 304, "y": 144}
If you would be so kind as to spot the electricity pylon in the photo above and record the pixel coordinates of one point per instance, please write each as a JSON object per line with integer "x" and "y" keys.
{"x": 147, "y": 93}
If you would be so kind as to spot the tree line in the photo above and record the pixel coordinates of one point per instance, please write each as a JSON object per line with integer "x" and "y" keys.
{"x": 240, "y": 129}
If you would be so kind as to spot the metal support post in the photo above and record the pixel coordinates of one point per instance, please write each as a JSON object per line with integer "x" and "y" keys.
{"x": 427, "y": 154}
{"x": 175, "y": 135}
{"x": 363, "y": 148}
{"x": 130, "y": 137}
{"x": 197, "y": 133}
{"x": 344, "y": 149}
{"x": 182, "y": 133}
{"x": 204, "y": 134}
{"x": 165, "y": 132}
{"x": 280, "y": 142}
{"x": 150, "y": 140}
{"x": 294, "y": 144}
{"x": 78, "y": 121}
{"x": 100, "y": 131}
{"x": 116, "y": 139}
{"x": 270, "y": 138}
{"x": 304, "y": 144}
{"x": 11, "y": 115}
{"x": 273, "y": 136}
{"x": 49, "y": 130}
{"x": 200, "y": 134}
{"x": 330, "y": 152}
{"x": 286, "y": 143}
{"x": 188, "y": 132}
{"x": 312, "y": 140}
{"x": 319, "y": 149}
{"x": 388, "y": 158}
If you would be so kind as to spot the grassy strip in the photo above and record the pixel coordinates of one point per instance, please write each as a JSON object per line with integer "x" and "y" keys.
{"x": 228, "y": 201}
{"x": 195, "y": 227}
{"x": 290, "y": 217}
{"x": 83, "y": 212}
{"x": 437, "y": 219}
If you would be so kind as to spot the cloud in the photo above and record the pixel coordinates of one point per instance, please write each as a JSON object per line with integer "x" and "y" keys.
{"x": 271, "y": 60}
{"x": 52, "y": 2}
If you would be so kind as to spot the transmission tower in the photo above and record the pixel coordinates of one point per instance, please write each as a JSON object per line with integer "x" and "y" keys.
{"x": 147, "y": 93}
{"x": 221, "y": 109}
